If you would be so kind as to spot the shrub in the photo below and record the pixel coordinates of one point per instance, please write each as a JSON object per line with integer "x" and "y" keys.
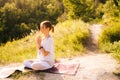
{"x": 111, "y": 33}
{"x": 70, "y": 37}
{"x": 109, "y": 41}
{"x": 116, "y": 50}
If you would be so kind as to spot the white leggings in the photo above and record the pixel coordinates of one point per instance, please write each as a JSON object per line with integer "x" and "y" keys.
{"x": 36, "y": 64}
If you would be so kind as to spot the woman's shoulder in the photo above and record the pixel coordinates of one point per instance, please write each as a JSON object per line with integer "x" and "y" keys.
{"x": 50, "y": 38}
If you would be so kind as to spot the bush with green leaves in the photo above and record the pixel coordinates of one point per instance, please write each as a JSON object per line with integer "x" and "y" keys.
{"x": 109, "y": 41}
{"x": 111, "y": 33}
{"x": 70, "y": 37}
{"x": 112, "y": 48}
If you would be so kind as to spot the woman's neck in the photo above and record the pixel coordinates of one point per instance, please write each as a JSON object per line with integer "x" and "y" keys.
{"x": 47, "y": 35}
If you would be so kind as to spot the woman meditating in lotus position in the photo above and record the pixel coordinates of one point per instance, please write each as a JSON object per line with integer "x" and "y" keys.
{"x": 45, "y": 46}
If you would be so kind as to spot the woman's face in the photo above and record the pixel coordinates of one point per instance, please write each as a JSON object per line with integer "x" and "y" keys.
{"x": 43, "y": 29}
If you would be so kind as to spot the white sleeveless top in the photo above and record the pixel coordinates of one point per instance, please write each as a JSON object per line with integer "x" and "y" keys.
{"x": 48, "y": 45}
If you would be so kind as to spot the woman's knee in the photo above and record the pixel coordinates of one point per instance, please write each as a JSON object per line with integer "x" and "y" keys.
{"x": 37, "y": 66}
{"x": 25, "y": 62}
{"x": 28, "y": 61}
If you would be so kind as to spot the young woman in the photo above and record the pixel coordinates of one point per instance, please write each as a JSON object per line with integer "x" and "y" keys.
{"x": 45, "y": 46}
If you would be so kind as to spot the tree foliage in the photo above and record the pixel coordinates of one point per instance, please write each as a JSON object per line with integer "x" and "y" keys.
{"x": 117, "y": 3}
{"x": 89, "y": 10}
{"x": 84, "y": 9}
{"x": 18, "y": 17}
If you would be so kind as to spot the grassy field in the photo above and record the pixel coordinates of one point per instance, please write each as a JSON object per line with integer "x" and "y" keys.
{"x": 18, "y": 50}
{"x": 69, "y": 37}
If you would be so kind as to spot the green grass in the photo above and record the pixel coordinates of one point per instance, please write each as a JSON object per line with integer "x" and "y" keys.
{"x": 69, "y": 37}
{"x": 18, "y": 50}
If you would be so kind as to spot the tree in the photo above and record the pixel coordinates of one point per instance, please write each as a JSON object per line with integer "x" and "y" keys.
{"x": 84, "y": 9}
{"x": 117, "y": 3}
{"x": 18, "y": 17}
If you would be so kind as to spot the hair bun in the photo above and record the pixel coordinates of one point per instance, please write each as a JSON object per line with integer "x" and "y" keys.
{"x": 52, "y": 29}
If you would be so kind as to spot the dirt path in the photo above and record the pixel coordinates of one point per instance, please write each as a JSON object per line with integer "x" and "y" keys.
{"x": 92, "y": 43}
